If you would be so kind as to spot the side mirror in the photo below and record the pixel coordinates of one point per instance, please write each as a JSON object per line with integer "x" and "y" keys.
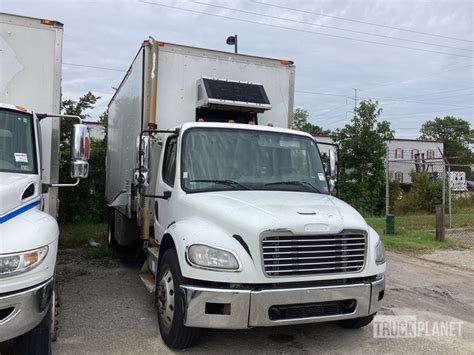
{"x": 80, "y": 151}
{"x": 143, "y": 161}
{"x": 332, "y": 164}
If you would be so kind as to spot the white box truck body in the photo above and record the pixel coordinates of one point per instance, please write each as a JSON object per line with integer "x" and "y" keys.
{"x": 30, "y": 95}
{"x": 232, "y": 207}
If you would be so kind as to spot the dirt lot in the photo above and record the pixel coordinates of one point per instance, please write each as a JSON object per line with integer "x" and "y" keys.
{"x": 105, "y": 309}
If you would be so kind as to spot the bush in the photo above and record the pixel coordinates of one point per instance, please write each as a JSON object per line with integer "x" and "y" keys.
{"x": 85, "y": 202}
{"x": 424, "y": 195}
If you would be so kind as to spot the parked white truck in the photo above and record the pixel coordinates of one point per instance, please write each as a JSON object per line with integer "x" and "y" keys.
{"x": 30, "y": 95}
{"x": 233, "y": 208}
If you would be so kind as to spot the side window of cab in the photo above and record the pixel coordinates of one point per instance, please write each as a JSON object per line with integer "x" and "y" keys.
{"x": 169, "y": 161}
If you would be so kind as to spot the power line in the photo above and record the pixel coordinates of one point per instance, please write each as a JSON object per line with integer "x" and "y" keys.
{"x": 93, "y": 67}
{"x": 320, "y": 93}
{"x": 359, "y": 21}
{"x": 327, "y": 26}
{"x": 303, "y": 31}
{"x": 382, "y": 99}
{"x": 427, "y": 75}
{"x": 425, "y": 113}
{"x": 438, "y": 92}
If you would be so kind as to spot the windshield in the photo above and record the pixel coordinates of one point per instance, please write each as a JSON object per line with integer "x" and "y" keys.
{"x": 17, "y": 151}
{"x": 217, "y": 159}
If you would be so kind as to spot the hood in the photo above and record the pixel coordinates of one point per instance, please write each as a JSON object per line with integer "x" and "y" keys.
{"x": 256, "y": 211}
{"x": 12, "y": 187}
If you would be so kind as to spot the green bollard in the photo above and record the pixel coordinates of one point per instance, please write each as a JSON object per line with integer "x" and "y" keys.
{"x": 390, "y": 224}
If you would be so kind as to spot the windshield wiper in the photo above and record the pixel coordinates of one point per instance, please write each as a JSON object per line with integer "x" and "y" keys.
{"x": 231, "y": 183}
{"x": 305, "y": 184}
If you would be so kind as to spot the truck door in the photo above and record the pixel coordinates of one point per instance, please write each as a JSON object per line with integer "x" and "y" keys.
{"x": 166, "y": 183}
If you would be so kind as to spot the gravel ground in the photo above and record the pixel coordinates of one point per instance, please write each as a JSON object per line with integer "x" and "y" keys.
{"x": 463, "y": 258}
{"x": 106, "y": 310}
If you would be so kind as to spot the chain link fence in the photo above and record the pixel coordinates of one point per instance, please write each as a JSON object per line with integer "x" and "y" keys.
{"x": 417, "y": 182}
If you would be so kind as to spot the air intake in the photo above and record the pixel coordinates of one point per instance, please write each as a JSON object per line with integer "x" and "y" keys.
{"x": 232, "y": 95}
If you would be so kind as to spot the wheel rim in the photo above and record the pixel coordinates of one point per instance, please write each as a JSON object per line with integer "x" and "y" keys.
{"x": 166, "y": 299}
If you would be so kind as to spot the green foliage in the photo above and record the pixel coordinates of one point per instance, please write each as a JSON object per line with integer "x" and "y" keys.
{"x": 362, "y": 150}
{"x": 85, "y": 202}
{"x": 301, "y": 121}
{"x": 456, "y": 134}
{"x": 424, "y": 195}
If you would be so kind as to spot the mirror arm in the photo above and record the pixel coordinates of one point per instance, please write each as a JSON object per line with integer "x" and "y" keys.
{"x": 65, "y": 185}
{"x": 166, "y": 194}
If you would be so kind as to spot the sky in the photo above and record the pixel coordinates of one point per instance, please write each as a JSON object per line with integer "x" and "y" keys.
{"x": 337, "y": 46}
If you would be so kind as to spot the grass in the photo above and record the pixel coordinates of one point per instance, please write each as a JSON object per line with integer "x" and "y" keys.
{"x": 411, "y": 233}
{"x": 73, "y": 236}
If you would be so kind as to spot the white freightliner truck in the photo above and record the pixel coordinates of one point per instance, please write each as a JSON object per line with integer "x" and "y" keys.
{"x": 233, "y": 208}
{"x": 30, "y": 95}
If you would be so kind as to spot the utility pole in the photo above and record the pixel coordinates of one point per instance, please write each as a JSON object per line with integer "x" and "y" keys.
{"x": 355, "y": 98}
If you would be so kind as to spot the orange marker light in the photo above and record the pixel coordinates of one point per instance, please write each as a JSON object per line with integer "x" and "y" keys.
{"x": 86, "y": 148}
{"x": 21, "y": 108}
{"x": 47, "y": 22}
{"x": 160, "y": 44}
{"x": 286, "y": 62}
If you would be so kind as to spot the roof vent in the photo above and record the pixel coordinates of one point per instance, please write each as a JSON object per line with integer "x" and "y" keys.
{"x": 232, "y": 95}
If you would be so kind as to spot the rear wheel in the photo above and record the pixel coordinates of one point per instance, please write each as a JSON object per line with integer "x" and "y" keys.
{"x": 356, "y": 322}
{"x": 171, "y": 306}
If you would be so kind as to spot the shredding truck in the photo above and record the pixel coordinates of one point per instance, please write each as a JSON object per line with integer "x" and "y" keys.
{"x": 233, "y": 208}
{"x": 30, "y": 96}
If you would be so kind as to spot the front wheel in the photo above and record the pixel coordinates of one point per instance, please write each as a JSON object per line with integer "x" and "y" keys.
{"x": 171, "y": 306}
{"x": 38, "y": 340}
{"x": 356, "y": 322}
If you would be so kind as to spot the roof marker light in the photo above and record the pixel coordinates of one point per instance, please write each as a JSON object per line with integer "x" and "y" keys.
{"x": 21, "y": 108}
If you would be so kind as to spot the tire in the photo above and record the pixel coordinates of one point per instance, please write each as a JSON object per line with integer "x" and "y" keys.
{"x": 111, "y": 241}
{"x": 38, "y": 340}
{"x": 356, "y": 323}
{"x": 171, "y": 305}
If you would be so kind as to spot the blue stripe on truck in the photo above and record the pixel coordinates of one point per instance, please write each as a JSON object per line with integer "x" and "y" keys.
{"x": 19, "y": 211}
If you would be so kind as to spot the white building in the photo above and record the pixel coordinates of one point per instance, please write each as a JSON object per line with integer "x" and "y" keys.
{"x": 412, "y": 155}
{"x": 406, "y": 156}
{"x": 96, "y": 130}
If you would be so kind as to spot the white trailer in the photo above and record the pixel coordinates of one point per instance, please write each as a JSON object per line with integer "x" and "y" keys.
{"x": 231, "y": 206}
{"x": 30, "y": 95}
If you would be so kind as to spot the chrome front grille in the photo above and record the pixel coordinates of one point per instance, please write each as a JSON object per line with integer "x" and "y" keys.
{"x": 295, "y": 255}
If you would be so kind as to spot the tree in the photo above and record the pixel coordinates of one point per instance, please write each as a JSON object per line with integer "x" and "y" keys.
{"x": 456, "y": 135}
{"x": 86, "y": 201}
{"x": 362, "y": 150}
{"x": 301, "y": 121}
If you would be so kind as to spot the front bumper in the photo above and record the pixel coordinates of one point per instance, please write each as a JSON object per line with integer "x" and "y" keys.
{"x": 22, "y": 311}
{"x": 240, "y": 309}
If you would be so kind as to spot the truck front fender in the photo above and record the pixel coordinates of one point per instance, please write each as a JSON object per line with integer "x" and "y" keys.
{"x": 198, "y": 231}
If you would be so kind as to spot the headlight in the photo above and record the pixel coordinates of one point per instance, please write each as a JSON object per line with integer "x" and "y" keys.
{"x": 213, "y": 258}
{"x": 21, "y": 262}
{"x": 379, "y": 253}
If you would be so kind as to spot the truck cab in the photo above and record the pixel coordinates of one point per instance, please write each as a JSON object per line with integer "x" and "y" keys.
{"x": 246, "y": 212}
{"x": 28, "y": 236}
